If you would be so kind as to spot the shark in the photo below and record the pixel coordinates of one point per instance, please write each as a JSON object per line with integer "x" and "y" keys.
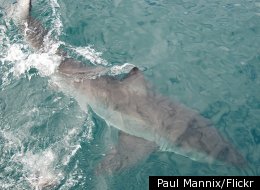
{"x": 147, "y": 121}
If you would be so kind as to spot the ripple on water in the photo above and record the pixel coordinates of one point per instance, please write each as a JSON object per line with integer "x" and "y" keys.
{"x": 240, "y": 115}
{"x": 2, "y": 105}
{"x": 217, "y": 108}
{"x": 253, "y": 102}
{"x": 256, "y": 135}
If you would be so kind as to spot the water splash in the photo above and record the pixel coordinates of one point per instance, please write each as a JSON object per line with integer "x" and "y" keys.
{"x": 90, "y": 54}
{"x": 58, "y": 27}
{"x": 39, "y": 169}
{"x": 120, "y": 69}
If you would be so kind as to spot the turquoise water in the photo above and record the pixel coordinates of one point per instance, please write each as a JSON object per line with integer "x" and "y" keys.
{"x": 203, "y": 54}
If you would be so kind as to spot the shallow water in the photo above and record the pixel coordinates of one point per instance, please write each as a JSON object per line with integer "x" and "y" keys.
{"x": 203, "y": 54}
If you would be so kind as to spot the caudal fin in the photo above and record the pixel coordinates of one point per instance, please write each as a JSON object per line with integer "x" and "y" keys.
{"x": 22, "y": 11}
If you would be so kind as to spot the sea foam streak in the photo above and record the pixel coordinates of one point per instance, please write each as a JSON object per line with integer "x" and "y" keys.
{"x": 90, "y": 54}
{"x": 40, "y": 169}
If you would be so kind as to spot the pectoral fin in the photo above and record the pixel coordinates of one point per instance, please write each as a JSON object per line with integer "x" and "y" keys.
{"x": 128, "y": 151}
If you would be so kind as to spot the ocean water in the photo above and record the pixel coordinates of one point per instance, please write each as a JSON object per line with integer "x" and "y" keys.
{"x": 204, "y": 54}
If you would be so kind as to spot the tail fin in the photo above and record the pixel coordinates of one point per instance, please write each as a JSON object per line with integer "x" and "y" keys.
{"x": 22, "y": 13}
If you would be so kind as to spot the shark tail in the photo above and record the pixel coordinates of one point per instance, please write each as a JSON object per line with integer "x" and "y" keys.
{"x": 22, "y": 11}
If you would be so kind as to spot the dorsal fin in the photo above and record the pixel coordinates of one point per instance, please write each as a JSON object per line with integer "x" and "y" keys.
{"x": 135, "y": 81}
{"x": 22, "y": 11}
{"x": 133, "y": 71}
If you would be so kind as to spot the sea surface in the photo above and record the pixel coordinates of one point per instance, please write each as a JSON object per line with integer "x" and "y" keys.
{"x": 204, "y": 54}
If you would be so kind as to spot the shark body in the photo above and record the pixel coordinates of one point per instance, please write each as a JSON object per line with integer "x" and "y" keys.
{"x": 146, "y": 119}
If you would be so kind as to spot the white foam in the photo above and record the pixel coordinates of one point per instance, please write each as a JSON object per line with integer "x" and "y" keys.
{"x": 22, "y": 60}
{"x": 57, "y": 24}
{"x": 90, "y": 54}
{"x": 39, "y": 169}
{"x": 45, "y": 63}
{"x": 11, "y": 140}
{"x": 2, "y": 34}
{"x": 74, "y": 177}
{"x": 72, "y": 141}
{"x": 15, "y": 53}
{"x": 89, "y": 133}
{"x": 10, "y": 8}
{"x": 120, "y": 69}
{"x": 66, "y": 159}
{"x": 6, "y": 51}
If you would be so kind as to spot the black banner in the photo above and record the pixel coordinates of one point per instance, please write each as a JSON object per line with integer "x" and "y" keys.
{"x": 203, "y": 182}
